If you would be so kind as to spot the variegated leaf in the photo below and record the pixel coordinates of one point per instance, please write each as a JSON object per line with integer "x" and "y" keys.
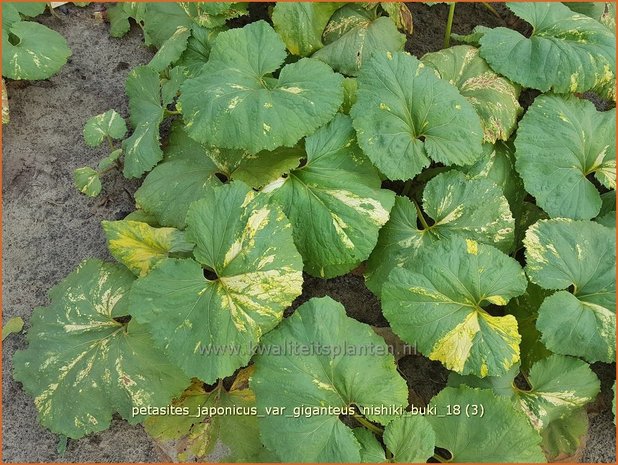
{"x": 441, "y": 302}
{"x": 493, "y": 97}
{"x": 334, "y": 201}
{"x": 139, "y": 246}
{"x": 83, "y": 364}
{"x": 578, "y": 260}
{"x": 208, "y": 314}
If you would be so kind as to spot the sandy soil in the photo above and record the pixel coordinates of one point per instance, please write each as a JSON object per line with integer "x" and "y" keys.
{"x": 48, "y": 228}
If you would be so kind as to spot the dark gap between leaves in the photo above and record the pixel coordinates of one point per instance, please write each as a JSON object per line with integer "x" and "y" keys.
{"x": 210, "y": 275}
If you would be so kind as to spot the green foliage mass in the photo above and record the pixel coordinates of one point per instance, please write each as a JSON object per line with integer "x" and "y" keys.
{"x": 272, "y": 150}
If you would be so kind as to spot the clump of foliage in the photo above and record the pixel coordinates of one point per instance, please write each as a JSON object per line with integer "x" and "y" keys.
{"x": 286, "y": 152}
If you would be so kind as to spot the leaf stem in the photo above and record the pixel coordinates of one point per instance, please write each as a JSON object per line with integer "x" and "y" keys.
{"x": 367, "y": 424}
{"x": 449, "y": 25}
{"x": 406, "y": 188}
{"x": 167, "y": 112}
{"x": 51, "y": 11}
{"x": 420, "y": 216}
{"x": 492, "y": 10}
{"x": 107, "y": 170}
{"x": 112, "y": 147}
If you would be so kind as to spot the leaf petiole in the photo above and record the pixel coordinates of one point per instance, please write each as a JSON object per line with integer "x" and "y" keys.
{"x": 367, "y": 424}
{"x": 449, "y": 25}
{"x": 420, "y": 216}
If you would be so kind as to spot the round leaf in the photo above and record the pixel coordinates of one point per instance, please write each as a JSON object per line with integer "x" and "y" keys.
{"x": 236, "y": 103}
{"x": 354, "y": 34}
{"x": 405, "y": 115}
{"x": 87, "y": 181}
{"x": 82, "y": 365}
{"x": 186, "y": 175}
{"x": 565, "y": 254}
{"x": 196, "y": 434}
{"x": 139, "y": 246}
{"x": 493, "y": 97}
{"x": 501, "y": 434}
{"x": 410, "y": 439}
{"x": 559, "y": 387}
{"x": 108, "y": 124}
{"x": 171, "y": 49}
{"x": 567, "y": 51}
{"x": 210, "y": 326}
{"x": 301, "y": 24}
{"x": 458, "y": 205}
{"x": 315, "y": 360}
{"x": 560, "y": 142}
{"x": 334, "y": 201}
{"x": 32, "y": 51}
{"x": 440, "y": 304}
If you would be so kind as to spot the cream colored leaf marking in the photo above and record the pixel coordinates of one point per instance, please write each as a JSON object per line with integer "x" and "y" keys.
{"x": 292, "y": 90}
{"x": 257, "y": 221}
{"x": 453, "y": 349}
{"x": 140, "y": 245}
{"x": 244, "y": 293}
{"x": 472, "y": 247}
{"x": 371, "y": 207}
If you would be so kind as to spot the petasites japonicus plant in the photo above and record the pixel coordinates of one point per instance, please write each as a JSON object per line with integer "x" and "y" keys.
{"x": 484, "y": 224}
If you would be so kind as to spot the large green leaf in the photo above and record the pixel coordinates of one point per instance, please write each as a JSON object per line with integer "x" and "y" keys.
{"x": 493, "y": 97}
{"x": 82, "y": 365}
{"x": 440, "y": 303}
{"x": 579, "y": 257}
{"x": 567, "y": 51}
{"x": 354, "y": 34}
{"x": 32, "y": 51}
{"x": 210, "y": 326}
{"x": 235, "y": 102}
{"x": 190, "y": 169}
{"x": 405, "y": 115}
{"x": 186, "y": 175}
{"x": 561, "y": 142}
{"x": 500, "y": 434}
{"x": 171, "y": 50}
{"x": 457, "y": 205}
{"x": 301, "y": 24}
{"x": 334, "y": 201}
{"x": 141, "y": 149}
{"x": 201, "y": 428}
{"x": 317, "y": 364}
{"x": 410, "y": 439}
{"x": 162, "y": 19}
{"x": 139, "y": 246}
{"x": 119, "y": 14}
{"x": 559, "y": 387}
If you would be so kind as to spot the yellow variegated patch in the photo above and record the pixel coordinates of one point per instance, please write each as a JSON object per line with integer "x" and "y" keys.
{"x": 140, "y": 246}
